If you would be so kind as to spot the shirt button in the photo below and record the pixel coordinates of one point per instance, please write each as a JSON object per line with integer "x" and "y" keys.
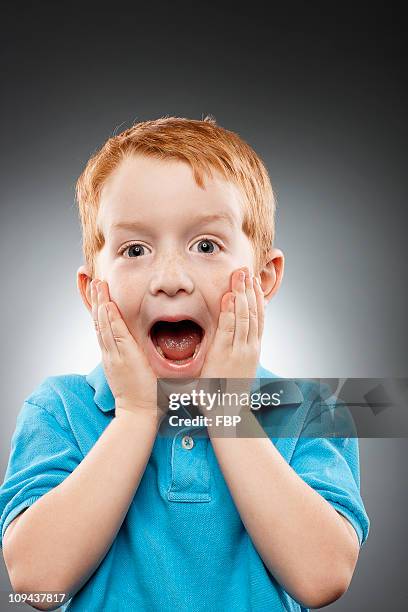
{"x": 187, "y": 442}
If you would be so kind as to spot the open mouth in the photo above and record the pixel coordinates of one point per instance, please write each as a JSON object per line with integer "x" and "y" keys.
{"x": 177, "y": 342}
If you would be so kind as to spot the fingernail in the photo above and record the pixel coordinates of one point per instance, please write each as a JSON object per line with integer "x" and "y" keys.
{"x": 241, "y": 275}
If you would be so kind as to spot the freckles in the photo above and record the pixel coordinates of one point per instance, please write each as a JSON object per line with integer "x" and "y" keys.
{"x": 132, "y": 293}
{"x": 218, "y": 285}
{"x": 213, "y": 292}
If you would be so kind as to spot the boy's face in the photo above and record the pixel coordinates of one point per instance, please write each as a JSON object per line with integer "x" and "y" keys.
{"x": 161, "y": 257}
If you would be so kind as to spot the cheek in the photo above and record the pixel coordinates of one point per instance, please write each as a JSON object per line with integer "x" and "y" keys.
{"x": 242, "y": 254}
{"x": 220, "y": 283}
{"x": 127, "y": 297}
{"x": 216, "y": 287}
{"x": 129, "y": 302}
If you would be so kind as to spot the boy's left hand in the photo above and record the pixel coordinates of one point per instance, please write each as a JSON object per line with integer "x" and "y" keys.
{"x": 235, "y": 350}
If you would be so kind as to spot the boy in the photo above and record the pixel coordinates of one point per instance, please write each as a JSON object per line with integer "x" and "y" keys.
{"x": 95, "y": 503}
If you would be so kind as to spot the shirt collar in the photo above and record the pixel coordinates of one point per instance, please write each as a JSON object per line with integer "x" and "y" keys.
{"x": 104, "y": 399}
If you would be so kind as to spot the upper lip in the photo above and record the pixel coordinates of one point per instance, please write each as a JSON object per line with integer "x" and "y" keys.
{"x": 174, "y": 318}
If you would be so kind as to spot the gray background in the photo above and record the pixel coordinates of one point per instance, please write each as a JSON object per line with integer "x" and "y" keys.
{"x": 319, "y": 91}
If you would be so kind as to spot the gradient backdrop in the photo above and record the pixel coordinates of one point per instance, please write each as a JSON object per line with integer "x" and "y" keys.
{"x": 320, "y": 93}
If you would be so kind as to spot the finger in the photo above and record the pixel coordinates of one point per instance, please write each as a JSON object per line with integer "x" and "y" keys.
{"x": 94, "y": 303}
{"x": 119, "y": 328}
{"x": 94, "y": 299}
{"x": 241, "y": 311}
{"x": 226, "y": 321}
{"x": 252, "y": 310}
{"x": 260, "y": 307}
{"x": 106, "y": 331}
{"x": 104, "y": 322}
{"x": 104, "y": 292}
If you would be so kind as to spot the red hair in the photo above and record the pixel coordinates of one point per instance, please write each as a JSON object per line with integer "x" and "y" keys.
{"x": 205, "y": 146}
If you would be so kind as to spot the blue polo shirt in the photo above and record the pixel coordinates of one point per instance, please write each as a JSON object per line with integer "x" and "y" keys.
{"x": 182, "y": 545}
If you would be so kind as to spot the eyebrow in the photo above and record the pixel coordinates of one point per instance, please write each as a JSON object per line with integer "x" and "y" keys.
{"x": 199, "y": 220}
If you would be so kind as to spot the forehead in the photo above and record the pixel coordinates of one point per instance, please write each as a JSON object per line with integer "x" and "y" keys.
{"x": 157, "y": 192}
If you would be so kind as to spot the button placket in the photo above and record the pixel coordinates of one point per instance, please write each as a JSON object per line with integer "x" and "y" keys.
{"x": 190, "y": 470}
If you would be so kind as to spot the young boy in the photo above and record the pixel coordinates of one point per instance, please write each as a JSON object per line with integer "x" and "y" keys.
{"x": 95, "y": 503}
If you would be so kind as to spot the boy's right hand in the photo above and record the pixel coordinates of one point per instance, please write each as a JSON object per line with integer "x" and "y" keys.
{"x": 128, "y": 372}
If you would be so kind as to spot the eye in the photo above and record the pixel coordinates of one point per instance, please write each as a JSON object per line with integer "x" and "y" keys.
{"x": 207, "y": 246}
{"x": 136, "y": 248}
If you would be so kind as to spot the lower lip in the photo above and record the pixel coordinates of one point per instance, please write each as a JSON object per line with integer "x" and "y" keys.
{"x": 163, "y": 366}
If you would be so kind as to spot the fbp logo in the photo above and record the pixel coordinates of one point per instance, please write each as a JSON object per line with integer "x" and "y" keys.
{"x": 227, "y": 420}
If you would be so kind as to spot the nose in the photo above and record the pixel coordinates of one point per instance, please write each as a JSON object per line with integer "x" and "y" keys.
{"x": 171, "y": 276}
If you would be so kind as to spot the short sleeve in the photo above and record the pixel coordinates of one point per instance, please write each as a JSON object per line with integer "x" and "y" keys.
{"x": 42, "y": 455}
{"x": 330, "y": 465}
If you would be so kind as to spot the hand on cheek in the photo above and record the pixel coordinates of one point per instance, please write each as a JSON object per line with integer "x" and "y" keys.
{"x": 234, "y": 352}
{"x": 127, "y": 370}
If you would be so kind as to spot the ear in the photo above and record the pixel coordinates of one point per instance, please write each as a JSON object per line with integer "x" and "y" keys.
{"x": 84, "y": 286}
{"x": 272, "y": 273}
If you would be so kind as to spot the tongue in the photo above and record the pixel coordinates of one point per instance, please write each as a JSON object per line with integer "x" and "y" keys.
{"x": 177, "y": 340}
